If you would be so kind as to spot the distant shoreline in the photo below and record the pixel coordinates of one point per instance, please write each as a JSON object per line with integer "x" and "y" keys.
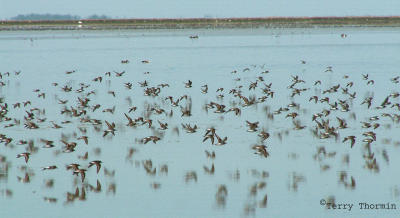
{"x": 195, "y": 23}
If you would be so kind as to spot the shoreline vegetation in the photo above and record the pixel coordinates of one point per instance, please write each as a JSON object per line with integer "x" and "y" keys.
{"x": 195, "y": 23}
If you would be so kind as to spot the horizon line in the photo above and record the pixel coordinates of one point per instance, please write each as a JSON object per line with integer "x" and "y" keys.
{"x": 217, "y": 18}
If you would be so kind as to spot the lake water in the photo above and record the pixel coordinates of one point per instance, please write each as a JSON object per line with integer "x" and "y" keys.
{"x": 295, "y": 179}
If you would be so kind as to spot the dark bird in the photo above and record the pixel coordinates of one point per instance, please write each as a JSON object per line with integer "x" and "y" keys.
{"x": 110, "y": 128}
{"x": 82, "y": 172}
{"x": 49, "y": 167}
{"x": 351, "y": 138}
{"x": 252, "y": 126}
{"x": 69, "y": 146}
{"x": 188, "y": 84}
{"x": 264, "y": 135}
{"x": 163, "y": 126}
{"x": 25, "y": 155}
{"x": 73, "y": 166}
{"x": 221, "y": 141}
{"x": 261, "y": 149}
{"x": 97, "y": 163}
{"x": 189, "y": 128}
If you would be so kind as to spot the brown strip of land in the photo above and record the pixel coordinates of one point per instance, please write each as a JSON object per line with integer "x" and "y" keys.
{"x": 190, "y": 23}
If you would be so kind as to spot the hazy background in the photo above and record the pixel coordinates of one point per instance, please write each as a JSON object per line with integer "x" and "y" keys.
{"x": 203, "y": 8}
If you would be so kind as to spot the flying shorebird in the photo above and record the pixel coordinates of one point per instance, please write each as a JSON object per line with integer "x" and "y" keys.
{"x": 261, "y": 149}
{"x": 188, "y": 128}
{"x": 97, "y": 163}
{"x": 264, "y": 135}
{"x": 209, "y": 136}
{"x": 48, "y": 143}
{"x": 25, "y": 155}
{"x": 131, "y": 122}
{"x": 82, "y": 172}
{"x": 111, "y": 128}
{"x": 204, "y": 89}
{"x": 234, "y": 109}
{"x": 73, "y": 166}
{"x": 163, "y": 126}
{"x": 252, "y": 126}
{"x": 150, "y": 138}
{"x": 220, "y": 140}
{"x": 49, "y": 167}
{"x": 188, "y": 84}
{"x": 351, "y": 138}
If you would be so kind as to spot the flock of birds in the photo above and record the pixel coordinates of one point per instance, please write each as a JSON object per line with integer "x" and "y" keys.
{"x": 333, "y": 114}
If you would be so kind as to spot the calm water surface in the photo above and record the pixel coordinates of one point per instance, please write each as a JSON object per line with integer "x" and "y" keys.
{"x": 294, "y": 178}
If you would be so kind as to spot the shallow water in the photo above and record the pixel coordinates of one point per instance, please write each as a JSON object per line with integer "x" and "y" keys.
{"x": 295, "y": 180}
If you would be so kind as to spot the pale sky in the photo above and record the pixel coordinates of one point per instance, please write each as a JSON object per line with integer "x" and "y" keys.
{"x": 201, "y": 8}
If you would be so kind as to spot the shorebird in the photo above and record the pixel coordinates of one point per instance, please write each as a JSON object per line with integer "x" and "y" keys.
{"x": 163, "y": 85}
{"x": 82, "y": 172}
{"x": 98, "y": 79}
{"x": 209, "y": 136}
{"x": 53, "y": 167}
{"x": 73, "y": 166}
{"x": 148, "y": 121}
{"x": 221, "y": 141}
{"x": 370, "y": 134}
{"x": 151, "y": 138}
{"x": 173, "y": 103}
{"x": 119, "y": 74}
{"x": 342, "y": 123}
{"x": 188, "y": 128}
{"x": 235, "y": 109}
{"x": 25, "y": 155}
{"x": 264, "y": 135}
{"x": 111, "y": 93}
{"x": 315, "y": 98}
{"x": 131, "y": 122}
{"x": 204, "y": 89}
{"x": 111, "y": 128}
{"x": 132, "y": 109}
{"x": 261, "y": 149}
{"x": 292, "y": 115}
{"x": 188, "y": 84}
{"x": 351, "y": 138}
{"x": 252, "y": 126}
{"x": 69, "y": 146}
{"x": 163, "y": 126}
{"x": 110, "y": 110}
{"x": 48, "y": 143}
{"x": 97, "y": 163}
{"x": 220, "y": 108}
